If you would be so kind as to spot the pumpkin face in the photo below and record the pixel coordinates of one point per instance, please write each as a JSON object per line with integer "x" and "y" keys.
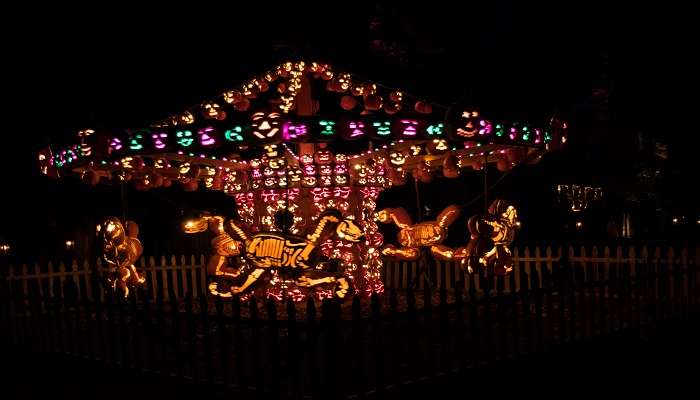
{"x": 265, "y": 126}
{"x": 85, "y": 148}
{"x": 277, "y": 163}
{"x": 309, "y": 181}
{"x": 341, "y": 180}
{"x": 271, "y": 150}
{"x": 213, "y": 111}
{"x": 270, "y": 182}
{"x": 295, "y": 175}
{"x": 470, "y": 124}
{"x": 307, "y": 159}
{"x": 438, "y": 146}
{"x": 159, "y": 140}
{"x": 397, "y": 158}
{"x": 326, "y": 181}
{"x": 323, "y": 157}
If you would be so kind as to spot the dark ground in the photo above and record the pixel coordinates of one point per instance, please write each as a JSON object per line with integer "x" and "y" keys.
{"x": 657, "y": 361}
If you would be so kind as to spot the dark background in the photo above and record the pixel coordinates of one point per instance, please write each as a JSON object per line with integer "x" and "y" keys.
{"x": 622, "y": 76}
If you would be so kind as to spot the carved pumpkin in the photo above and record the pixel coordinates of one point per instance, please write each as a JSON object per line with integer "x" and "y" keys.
{"x": 266, "y": 127}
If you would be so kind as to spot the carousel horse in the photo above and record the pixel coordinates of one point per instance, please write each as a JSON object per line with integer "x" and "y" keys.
{"x": 490, "y": 237}
{"x": 120, "y": 249}
{"x": 265, "y": 251}
{"x": 414, "y": 236}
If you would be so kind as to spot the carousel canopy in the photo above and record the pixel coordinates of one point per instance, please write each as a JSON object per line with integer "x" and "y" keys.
{"x": 295, "y": 115}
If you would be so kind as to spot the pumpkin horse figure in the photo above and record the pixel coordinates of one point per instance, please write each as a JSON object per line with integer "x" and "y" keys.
{"x": 491, "y": 235}
{"x": 295, "y": 255}
{"x": 120, "y": 249}
{"x": 414, "y": 236}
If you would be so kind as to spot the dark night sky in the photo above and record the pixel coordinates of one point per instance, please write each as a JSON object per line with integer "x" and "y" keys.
{"x": 128, "y": 67}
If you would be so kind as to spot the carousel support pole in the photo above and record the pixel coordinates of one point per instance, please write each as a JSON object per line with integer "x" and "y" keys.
{"x": 486, "y": 183}
{"x": 418, "y": 205}
{"x": 122, "y": 188}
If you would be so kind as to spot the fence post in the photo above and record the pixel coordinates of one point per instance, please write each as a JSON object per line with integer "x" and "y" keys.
{"x": 76, "y": 277}
{"x": 25, "y": 281}
{"x": 201, "y": 271}
{"x": 152, "y": 278}
{"x": 177, "y": 279}
{"x": 548, "y": 286}
{"x": 39, "y": 284}
{"x": 186, "y": 268}
{"x": 536, "y": 287}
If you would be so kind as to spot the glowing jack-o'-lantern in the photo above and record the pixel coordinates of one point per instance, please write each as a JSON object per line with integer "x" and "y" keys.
{"x": 416, "y": 149}
{"x": 438, "y": 146}
{"x": 341, "y": 159}
{"x": 325, "y": 170}
{"x": 307, "y": 159}
{"x": 325, "y": 181}
{"x": 309, "y": 181}
{"x": 271, "y": 150}
{"x": 233, "y": 96}
{"x": 341, "y": 180}
{"x": 186, "y": 118}
{"x": 282, "y": 182}
{"x": 84, "y": 147}
{"x": 213, "y": 111}
{"x": 295, "y": 175}
{"x": 270, "y": 182}
{"x": 470, "y": 124}
{"x": 323, "y": 157}
{"x": 397, "y": 158}
{"x": 309, "y": 170}
{"x": 265, "y": 126}
{"x": 277, "y": 163}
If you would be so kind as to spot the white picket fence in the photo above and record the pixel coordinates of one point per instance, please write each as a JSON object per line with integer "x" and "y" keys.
{"x": 592, "y": 264}
{"x": 178, "y": 276}
{"x": 172, "y": 276}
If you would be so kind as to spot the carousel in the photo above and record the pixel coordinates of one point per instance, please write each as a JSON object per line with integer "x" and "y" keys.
{"x": 305, "y": 151}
